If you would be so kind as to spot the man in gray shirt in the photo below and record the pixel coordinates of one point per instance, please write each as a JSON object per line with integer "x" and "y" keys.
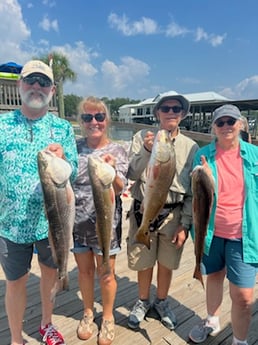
{"x": 169, "y": 232}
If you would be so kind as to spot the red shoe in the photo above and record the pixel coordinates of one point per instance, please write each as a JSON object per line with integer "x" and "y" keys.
{"x": 51, "y": 336}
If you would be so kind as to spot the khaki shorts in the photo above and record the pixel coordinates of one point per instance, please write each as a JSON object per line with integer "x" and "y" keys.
{"x": 161, "y": 250}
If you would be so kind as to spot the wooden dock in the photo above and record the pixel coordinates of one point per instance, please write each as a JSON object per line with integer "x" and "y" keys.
{"x": 186, "y": 296}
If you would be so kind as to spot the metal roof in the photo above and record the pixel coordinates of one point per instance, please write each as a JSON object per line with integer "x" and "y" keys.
{"x": 202, "y": 101}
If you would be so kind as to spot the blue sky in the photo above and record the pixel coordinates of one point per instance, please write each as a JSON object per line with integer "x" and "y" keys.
{"x": 137, "y": 49}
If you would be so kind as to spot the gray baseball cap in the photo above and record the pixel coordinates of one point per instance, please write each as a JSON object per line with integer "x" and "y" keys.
{"x": 226, "y": 110}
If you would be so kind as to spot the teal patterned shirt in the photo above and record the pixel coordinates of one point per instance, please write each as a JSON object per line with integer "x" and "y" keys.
{"x": 22, "y": 214}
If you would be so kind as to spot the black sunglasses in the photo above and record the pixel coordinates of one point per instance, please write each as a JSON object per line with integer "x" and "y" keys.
{"x": 166, "y": 108}
{"x": 229, "y": 122}
{"x": 99, "y": 117}
{"x": 32, "y": 79}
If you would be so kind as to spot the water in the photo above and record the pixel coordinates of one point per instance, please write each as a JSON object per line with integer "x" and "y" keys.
{"x": 117, "y": 134}
{"x": 124, "y": 134}
{"x": 120, "y": 134}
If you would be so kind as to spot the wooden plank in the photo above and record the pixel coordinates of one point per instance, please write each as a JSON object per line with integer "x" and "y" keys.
{"x": 186, "y": 295}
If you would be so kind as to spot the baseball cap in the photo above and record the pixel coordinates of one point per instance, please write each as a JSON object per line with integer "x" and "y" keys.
{"x": 37, "y": 66}
{"x": 226, "y": 110}
{"x": 167, "y": 97}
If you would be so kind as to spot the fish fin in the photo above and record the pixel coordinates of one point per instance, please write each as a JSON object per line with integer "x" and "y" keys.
{"x": 198, "y": 275}
{"x": 143, "y": 236}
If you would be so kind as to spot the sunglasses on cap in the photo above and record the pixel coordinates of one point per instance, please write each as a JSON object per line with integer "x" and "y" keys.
{"x": 166, "y": 108}
{"x": 32, "y": 79}
{"x": 99, "y": 117}
{"x": 221, "y": 123}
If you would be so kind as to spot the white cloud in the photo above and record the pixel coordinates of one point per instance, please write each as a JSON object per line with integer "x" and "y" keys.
{"x": 174, "y": 30}
{"x": 80, "y": 57}
{"x": 49, "y": 3}
{"x": 46, "y": 24}
{"x": 245, "y": 89}
{"x": 200, "y": 34}
{"x": 127, "y": 74}
{"x": 145, "y": 26}
{"x": 217, "y": 40}
{"x": 81, "y": 60}
{"x": 14, "y": 32}
{"x": 103, "y": 76}
{"x": 214, "y": 40}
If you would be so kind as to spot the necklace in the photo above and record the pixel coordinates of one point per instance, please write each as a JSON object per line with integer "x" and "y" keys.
{"x": 30, "y": 123}
{"x": 30, "y": 130}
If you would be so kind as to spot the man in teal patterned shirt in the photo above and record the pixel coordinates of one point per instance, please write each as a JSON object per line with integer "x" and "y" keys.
{"x": 23, "y": 224}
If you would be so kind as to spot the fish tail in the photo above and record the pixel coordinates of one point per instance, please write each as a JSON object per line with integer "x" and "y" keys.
{"x": 143, "y": 236}
{"x": 198, "y": 275}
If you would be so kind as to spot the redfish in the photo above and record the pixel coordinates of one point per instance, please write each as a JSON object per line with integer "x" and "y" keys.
{"x": 161, "y": 170}
{"x": 203, "y": 193}
{"x": 59, "y": 201}
{"x": 101, "y": 176}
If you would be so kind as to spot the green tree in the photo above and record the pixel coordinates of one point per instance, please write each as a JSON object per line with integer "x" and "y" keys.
{"x": 71, "y": 103}
{"x": 62, "y": 72}
{"x": 114, "y": 105}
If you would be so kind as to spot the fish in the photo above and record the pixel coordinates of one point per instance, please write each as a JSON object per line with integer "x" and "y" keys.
{"x": 203, "y": 188}
{"x": 160, "y": 173}
{"x": 101, "y": 176}
{"x": 59, "y": 203}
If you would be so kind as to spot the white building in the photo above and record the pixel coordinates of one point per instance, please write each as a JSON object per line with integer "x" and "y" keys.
{"x": 143, "y": 112}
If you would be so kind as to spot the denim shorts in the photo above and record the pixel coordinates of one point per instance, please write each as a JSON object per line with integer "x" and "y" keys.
{"x": 15, "y": 258}
{"x": 79, "y": 248}
{"x": 228, "y": 253}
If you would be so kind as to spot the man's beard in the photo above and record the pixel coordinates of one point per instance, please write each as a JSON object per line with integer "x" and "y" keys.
{"x": 35, "y": 99}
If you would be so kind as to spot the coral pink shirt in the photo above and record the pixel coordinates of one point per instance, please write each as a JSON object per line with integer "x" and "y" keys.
{"x": 228, "y": 219}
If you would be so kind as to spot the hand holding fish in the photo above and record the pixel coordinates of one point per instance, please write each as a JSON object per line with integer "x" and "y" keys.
{"x": 205, "y": 166}
{"x": 148, "y": 141}
{"x": 118, "y": 184}
{"x": 110, "y": 159}
{"x": 57, "y": 149}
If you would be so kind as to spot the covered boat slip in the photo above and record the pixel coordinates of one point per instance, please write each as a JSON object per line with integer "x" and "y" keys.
{"x": 199, "y": 117}
{"x": 186, "y": 296}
